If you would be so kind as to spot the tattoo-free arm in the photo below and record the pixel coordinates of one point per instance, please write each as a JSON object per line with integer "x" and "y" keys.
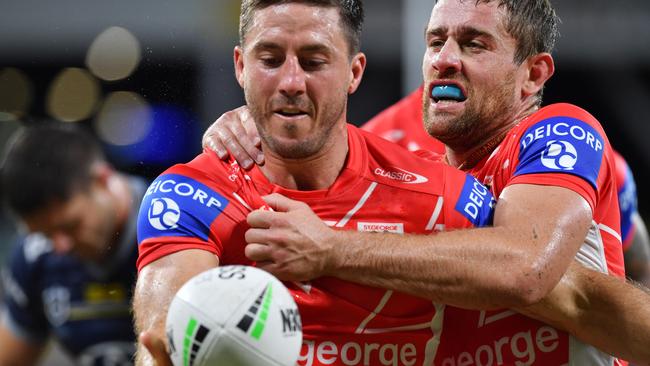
{"x": 537, "y": 232}
{"x": 155, "y": 288}
{"x": 601, "y": 310}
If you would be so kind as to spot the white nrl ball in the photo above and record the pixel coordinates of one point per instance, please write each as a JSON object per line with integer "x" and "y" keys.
{"x": 232, "y": 316}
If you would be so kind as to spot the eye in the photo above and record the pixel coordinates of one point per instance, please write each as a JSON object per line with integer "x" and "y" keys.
{"x": 312, "y": 63}
{"x": 475, "y": 45}
{"x": 270, "y": 61}
{"x": 436, "y": 43}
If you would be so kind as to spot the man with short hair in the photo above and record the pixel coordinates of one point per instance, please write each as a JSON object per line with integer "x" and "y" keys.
{"x": 71, "y": 277}
{"x": 552, "y": 168}
{"x": 297, "y": 64}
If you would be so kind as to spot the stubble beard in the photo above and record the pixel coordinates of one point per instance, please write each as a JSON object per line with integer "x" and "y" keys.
{"x": 477, "y": 123}
{"x": 299, "y": 148}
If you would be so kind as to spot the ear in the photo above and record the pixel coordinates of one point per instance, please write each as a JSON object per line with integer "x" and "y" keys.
{"x": 102, "y": 173}
{"x": 238, "y": 58}
{"x": 540, "y": 68}
{"x": 357, "y": 68}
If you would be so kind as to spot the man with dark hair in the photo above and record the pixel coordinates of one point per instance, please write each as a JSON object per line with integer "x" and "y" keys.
{"x": 296, "y": 71}
{"x": 552, "y": 168}
{"x": 71, "y": 277}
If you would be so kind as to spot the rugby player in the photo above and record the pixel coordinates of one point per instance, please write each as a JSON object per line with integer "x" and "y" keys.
{"x": 71, "y": 278}
{"x": 552, "y": 168}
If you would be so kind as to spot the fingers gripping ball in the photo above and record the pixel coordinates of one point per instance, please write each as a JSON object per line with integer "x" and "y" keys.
{"x": 232, "y": 316}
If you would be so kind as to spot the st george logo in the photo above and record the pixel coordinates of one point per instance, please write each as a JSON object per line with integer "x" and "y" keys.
{"x": 164, "y": 214}
{"x": 559, "y": 155}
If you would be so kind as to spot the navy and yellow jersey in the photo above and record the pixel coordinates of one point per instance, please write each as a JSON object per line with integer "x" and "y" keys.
{"x": 85, "y": 307}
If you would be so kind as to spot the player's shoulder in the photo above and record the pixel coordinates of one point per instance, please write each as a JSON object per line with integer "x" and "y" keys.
{"x": 29, "y": 251}
{"x": 566, "y": 113}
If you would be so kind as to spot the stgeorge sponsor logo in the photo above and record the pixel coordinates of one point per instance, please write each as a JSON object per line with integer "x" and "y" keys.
{"x": 559, "y": 155}
{"x": 401, "y": 175}
{"x": 389, "y": 227}
{"x": 522, "y": 348}
{"x": 164, "y": 213}
{"x": 353, "y": 353}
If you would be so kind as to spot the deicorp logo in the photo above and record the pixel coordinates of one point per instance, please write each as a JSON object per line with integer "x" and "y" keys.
{"x": 164, "y": 213}
{"x": 559, "y": 155}
{"x": 178, "y": 205}
{"x": 562, "y": 145}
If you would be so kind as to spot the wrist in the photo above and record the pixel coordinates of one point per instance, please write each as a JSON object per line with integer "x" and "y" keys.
{"x": 334, "y": 251}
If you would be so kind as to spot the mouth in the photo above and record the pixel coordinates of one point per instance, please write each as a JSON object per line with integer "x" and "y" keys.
{"x": 290, "y": 112}
{"x": 447, "y": 93}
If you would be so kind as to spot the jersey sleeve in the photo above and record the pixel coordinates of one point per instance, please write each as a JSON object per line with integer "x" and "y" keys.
{"x": 562, "y": 151}
{"x": 627, "y": 199}
{"x": 178, "y": 212}
{"x": 471, "y": 203}
{"x": 23, "y": 311}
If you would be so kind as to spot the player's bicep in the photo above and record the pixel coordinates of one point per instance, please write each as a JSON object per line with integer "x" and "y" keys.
{"x": 549, "y": 222}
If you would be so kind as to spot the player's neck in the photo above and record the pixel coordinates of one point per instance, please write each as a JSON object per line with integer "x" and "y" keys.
{"x": 466, "y": 157}
{"x": 121, "y": 191}
{"x": 316, "y": 172}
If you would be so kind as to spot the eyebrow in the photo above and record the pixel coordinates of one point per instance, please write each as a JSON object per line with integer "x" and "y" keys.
{"x": 316, "y": 47}
{"x": 464, "y": 31}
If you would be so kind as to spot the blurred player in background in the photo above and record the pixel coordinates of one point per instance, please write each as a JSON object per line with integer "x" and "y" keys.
{"x": 402, "y": 123}
{"x": 636, "y": 244}
{"x": 484, "y": 70}
{"x": 71, "y": 277}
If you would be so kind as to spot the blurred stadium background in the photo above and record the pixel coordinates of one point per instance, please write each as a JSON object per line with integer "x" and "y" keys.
{"x": 147, "y": 77}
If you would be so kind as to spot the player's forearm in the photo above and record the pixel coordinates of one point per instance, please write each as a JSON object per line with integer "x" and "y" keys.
{"x": 155, "y": 288}
{"x": 600, "y": 310}
{"x": 476, "y": 269}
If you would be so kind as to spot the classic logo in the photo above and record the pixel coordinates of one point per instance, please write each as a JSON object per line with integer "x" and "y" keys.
{"x": 559, "y": 155}
{"x": 401, "y": 175}
{"x": 164, "y": 214}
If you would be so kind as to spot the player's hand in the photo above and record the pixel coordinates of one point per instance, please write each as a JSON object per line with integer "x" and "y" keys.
{"x": 235, "y": 133}
{"x": 290, "y": 242}
{"x": 156, "y": 348}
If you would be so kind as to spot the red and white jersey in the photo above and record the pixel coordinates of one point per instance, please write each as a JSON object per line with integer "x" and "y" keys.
{"x": 402, "y": 123}
{"x": 505, "y": 337}
{"x": 560, "y": 145}
{"x": 382, "y": 187}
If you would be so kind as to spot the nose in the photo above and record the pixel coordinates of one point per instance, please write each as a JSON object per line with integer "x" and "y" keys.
{"x": 447, "y": 60}
{"x": 292, "y": 78}
{"x": 61, "y": 242}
